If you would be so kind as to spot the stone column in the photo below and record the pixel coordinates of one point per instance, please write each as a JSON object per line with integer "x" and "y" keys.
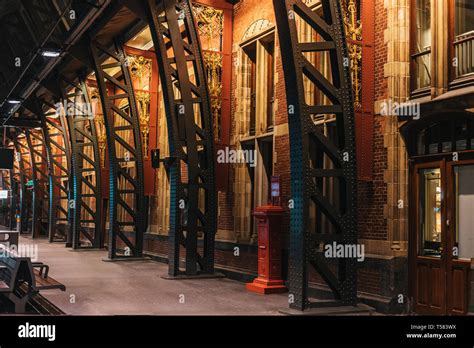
{"x": 396, "y": 71}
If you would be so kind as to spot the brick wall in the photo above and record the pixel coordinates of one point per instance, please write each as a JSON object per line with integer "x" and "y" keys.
{"x": 380, "y": 50}
{"x": 372, "y": 195}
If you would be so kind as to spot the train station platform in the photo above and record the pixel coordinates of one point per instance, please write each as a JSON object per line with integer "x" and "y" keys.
{"x": 96, "y": 287}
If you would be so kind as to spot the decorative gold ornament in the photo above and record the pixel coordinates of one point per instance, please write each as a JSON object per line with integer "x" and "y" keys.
{"x": 353, "y": 27}
{"x": 210, "y": 22}
{"x": 213, "y": 63}
{"x": 102, "y": 138}
{"x": 139, "y": 66}
{"x": 143, "y": 104}
{"x": 100, "y": 125}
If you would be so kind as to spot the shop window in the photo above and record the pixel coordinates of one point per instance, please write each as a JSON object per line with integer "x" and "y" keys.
{"x": 430, "y": 219}
{"x": 444, "y": 137}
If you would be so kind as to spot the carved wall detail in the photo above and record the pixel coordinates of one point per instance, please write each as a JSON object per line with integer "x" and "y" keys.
{"x": 210, "y": 23}
{"x": 353, "y": 27}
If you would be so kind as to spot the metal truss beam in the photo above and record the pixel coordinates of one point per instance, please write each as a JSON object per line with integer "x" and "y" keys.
{"x": 86, "y": 185}
{"x": 40, "y": 167}
{"x": 124, "y": 147}
{"x": 57, "y": 145}
{"x": 25, "y": 176}
{"x": 23, "y": 122}
{"x": 311, "y": 149}
{"x": 193, "y": 201}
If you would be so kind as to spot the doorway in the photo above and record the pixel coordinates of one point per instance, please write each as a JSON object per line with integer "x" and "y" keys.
{"x": 441, "y": 235}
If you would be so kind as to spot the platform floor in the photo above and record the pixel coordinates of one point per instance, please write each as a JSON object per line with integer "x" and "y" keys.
{"x": 136, "y": 287}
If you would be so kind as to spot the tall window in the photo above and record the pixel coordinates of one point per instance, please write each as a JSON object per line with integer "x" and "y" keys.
{"x": 251, "y": 51}
{"x": 270, "y": 50}
{"x": 421, "y": 44}
{"x": 256, "y": 98}
{"x": 463, "y": 37}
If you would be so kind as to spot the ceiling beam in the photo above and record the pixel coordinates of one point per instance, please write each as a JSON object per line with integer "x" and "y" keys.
{"x": 22, "y": 122}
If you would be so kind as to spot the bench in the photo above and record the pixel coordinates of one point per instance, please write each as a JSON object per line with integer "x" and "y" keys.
{"x": 16, "y": 271}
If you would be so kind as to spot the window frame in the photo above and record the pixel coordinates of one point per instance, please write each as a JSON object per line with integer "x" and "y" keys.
{"x": 464, "y": 80}
{"x": 423, "y": 91}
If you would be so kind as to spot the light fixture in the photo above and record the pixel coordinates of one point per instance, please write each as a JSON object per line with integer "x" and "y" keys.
{"x": 14, "y": 101}
{"x": 50, "y": 53}
{"x": 50, "y": 50}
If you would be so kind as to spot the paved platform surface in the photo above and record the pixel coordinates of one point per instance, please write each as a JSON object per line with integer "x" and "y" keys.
{"x": 136, "y": 287}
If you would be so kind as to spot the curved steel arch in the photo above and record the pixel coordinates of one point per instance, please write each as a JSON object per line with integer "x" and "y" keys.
{"x": 40, "y": 176}
{"x": 86, "y": 185}
{"x": 308, "y": 142}
{"x": 193, "y": 202}
{"x": 25, "y": 175}
{"x": 124, "y": 147}
{"x": 57, "y": 144}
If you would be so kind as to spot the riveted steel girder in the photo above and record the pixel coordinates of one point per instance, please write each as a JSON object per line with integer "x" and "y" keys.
{"x": 40, "y": 177}
{"x": 57, "y": 144}
{"x": 86, "y": 185}
{"x": 25, "y": 174}
{"x": 311, "y": 149}
{"x": 193, "y": 201}
{"x": 124, "y": 147}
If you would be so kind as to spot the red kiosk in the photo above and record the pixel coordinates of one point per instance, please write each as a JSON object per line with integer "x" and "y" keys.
{"x": 269, "y": 218}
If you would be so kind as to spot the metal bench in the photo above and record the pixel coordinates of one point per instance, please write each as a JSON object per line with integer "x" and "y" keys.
{"x": 16, "y": 271}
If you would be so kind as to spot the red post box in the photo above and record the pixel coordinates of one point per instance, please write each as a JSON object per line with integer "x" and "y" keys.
{"x": 269, "y": 251}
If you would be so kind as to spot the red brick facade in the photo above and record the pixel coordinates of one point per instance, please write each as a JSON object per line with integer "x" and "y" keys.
{"x": 372, "y": 195}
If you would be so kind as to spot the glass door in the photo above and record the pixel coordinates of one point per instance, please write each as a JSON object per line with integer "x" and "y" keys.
{"x": 442, "y": 248}
{"x": 460, "y": 224}
{"x": 429, "y": 263}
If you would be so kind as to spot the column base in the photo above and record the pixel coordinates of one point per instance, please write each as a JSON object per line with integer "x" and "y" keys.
{"x": 266, "y": 287}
